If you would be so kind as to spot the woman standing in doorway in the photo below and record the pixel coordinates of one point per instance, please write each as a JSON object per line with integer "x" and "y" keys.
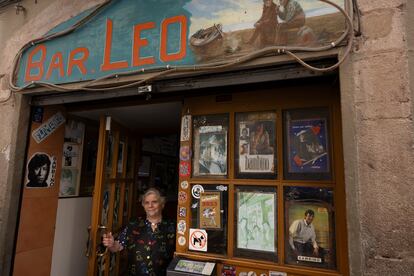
{"x": 150, "y": 241}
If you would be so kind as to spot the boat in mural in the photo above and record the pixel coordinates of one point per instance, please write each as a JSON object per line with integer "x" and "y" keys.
{"x": 205, "y": 42}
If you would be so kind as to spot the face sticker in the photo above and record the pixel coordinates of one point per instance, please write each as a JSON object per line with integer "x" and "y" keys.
{"x": 181, "y": 227}
{"x": 182, "y": 197}
{"x": 184, "y": 185}
{"x": 196, "y": 191}
{"x": 181, "y": 241}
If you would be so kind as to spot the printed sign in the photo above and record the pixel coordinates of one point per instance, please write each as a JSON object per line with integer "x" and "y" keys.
{"x": 41, "y": 170}
{"x": 277, "y": 273}
{"x": 198, "y": 240}
{"x": 42, "y": 132}
{"x": 209, "y": 212}
{"x": 194, "y": 267}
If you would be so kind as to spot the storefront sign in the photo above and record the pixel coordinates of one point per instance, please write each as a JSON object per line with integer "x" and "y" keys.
{"x": 131, "y": 35}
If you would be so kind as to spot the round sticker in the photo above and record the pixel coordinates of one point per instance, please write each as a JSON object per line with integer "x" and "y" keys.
{"x": 182, "y": 197}
{"x": 184, "y": 185}
{"x": 181, "y": 241}
{"x": 185, "y": 153}
{"x": 251, "y": 273}
{"x": 197, "y": 190}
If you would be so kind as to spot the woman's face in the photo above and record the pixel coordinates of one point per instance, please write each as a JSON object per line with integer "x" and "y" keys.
{"x": 152, "y": 206}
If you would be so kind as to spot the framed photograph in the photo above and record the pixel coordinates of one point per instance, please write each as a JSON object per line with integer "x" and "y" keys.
{"x": 209, "y": 211}
{"x": 255, "y": 220}
{"x": 306, "y": 144}
{"x": 210, "y": 145}
{"x": 203, "y": 198}
{"x": 69, "y": 182}
{"x": 255, "y": 154}
{"x": 309, "y": 227}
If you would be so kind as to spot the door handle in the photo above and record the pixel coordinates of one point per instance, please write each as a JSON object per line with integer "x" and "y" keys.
{"x": 88, "y": 242}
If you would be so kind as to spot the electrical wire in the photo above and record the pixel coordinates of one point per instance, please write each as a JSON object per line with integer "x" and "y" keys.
{"x": 167, "y": 70}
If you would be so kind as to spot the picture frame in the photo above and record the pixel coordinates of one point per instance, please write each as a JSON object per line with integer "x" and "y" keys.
{"x": 72, "y": 158}
{"x": 310, "y": 207}
{"x": 217, "y": 236}
{"x": 256, "y": 147}
{"x": 307, "y": 152}
{"x": 210, "y": 145}
{"x": 256, "y": 222}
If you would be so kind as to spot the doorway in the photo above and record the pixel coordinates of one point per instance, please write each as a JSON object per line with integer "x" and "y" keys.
{"x": 146, "y": 156}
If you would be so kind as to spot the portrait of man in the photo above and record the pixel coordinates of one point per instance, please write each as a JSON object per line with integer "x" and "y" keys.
{"x": 38, "y": 171}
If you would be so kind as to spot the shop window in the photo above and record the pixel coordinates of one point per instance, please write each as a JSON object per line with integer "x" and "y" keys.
{"x": 274, "y": 162}
{"x": 209, "y": 212}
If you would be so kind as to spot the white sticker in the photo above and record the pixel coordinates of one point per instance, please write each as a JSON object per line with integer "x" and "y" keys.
{"x": 185, "y": 128}
{"x": 181, "y": 227}
{"x": 181, "y": 241}
{"x": 198, "y": 240}
{"x": 42, "y": 132}
{"x": 184, "y": 184}
{"x": 277, "y": 273}
{"x": 197, "y": 190}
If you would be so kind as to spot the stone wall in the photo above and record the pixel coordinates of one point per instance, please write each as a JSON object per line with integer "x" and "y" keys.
{"x": 16, "y": 30}
{"x": 376, "y": 91}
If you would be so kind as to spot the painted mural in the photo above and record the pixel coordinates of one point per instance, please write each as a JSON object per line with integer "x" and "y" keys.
{"x": 132, "y": 35}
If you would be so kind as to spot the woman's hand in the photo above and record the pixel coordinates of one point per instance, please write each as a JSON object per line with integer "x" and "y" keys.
{"x": 108, "y": 240}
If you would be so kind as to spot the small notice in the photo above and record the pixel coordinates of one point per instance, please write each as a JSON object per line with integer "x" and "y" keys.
{"x": 42, "y": 132}
{"x": 195, "y": 267}
{"x": 198, "y": 240}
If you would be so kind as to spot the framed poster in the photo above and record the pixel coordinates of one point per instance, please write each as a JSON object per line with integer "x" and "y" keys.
{"x": 306, "y": 144}
{"x": 309, "y": 227}
{"x": 255, "y": 153}
{"x": 210, "y": 145}
{"x": 255, "y": 220}
{"x": 209, "y": 211}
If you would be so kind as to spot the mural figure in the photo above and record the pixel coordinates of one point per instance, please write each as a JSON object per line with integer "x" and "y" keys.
{"x": 293, "y": 16}
{"x": 266, "y": 26}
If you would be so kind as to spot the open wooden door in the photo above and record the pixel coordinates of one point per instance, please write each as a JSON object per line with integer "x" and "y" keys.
{"x": 112, "y": 198}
